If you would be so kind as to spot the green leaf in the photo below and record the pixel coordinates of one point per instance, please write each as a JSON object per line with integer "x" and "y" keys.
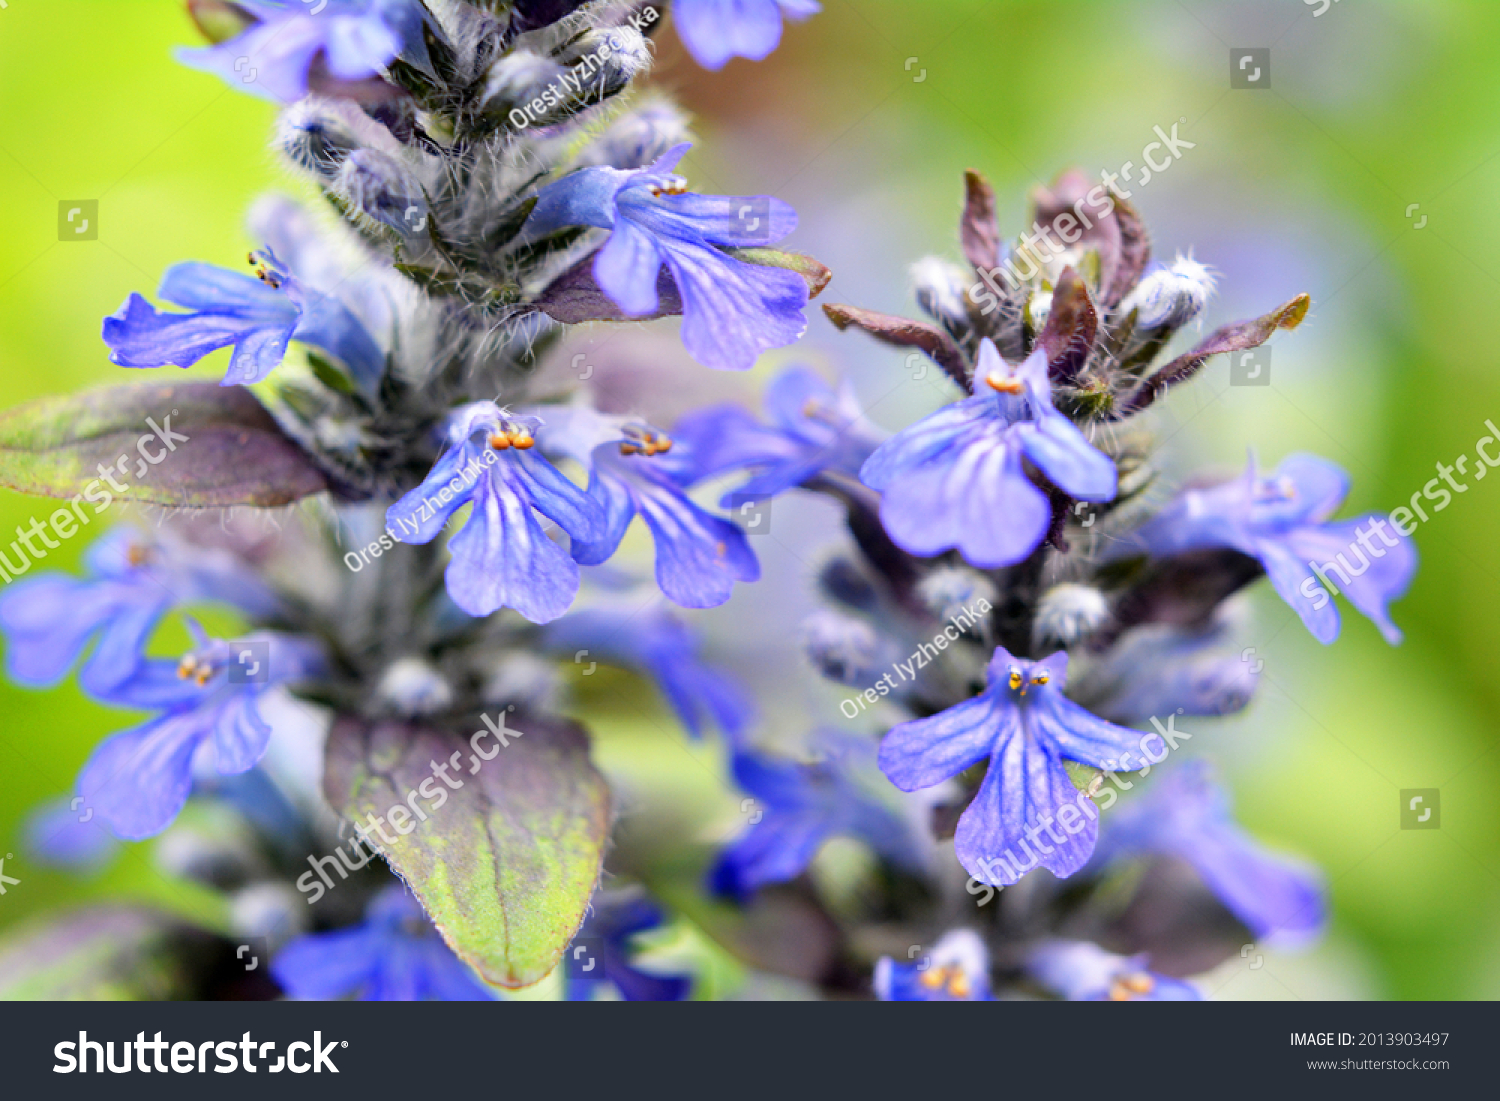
{"x": 190, "y": 445}
{"x": 108, "y": 953}
{"x": 506, "y": 864}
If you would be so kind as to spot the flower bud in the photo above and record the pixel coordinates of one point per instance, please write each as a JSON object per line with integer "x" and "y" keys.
{"x": 412, "y": 687}
{"x": 380, "y": 188}
{"x": 212, "y": 849}
{"x": 639, "y": 138}
{"x": 941, "y": 287}
{"x": 844, "y": 582}
{"x": 270, "y": 910}
{"x": 523, "y": 680}
{"x": 314, "y": 138}
{"x": 843, "y": 648}
{"x": 603, "y": 61}
{"x": 524, "y": 87}
{"x": 949, "y": 590}
{"x": 1170, "y": 297}
{"x": 1067, "y": 613}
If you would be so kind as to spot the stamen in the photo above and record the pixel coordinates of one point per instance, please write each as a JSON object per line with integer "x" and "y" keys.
{"x": 934, "y": 978}
{"x": 674, "y": 185}
{"x": 1041, "y": 678}
{"x": 1138, "y": 984}
{"x": 643, "y": 441}
{"x": 499, "y": 441}
{"x": 1005, "y": 385}
{"x": 958, "y": 985}
{"x": 1016, "y": 680}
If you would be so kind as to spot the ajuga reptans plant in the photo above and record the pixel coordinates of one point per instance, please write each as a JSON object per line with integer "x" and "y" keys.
{"x": 371, "y": 762}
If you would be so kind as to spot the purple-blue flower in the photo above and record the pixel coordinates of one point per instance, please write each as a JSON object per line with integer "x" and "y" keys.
{"x": 395, "y": 955}
{"x": 62, "y": 833}
{"x": 1084, "y": 972}
{"x": 137, "y": 780}
{"x": 731, "y": 310}
{"x": 636, "y": 470}
{"x": 956, "y": 970}
{"x": 795, "y": 809}
{"x": 810, "y": 428}
{"x": 1025, "y": 726}
{"x": 716, "y": 30}
{"x": 502, "y": 558}
{"x": 606, "y": 937}
{"x": 259, "y": 315}
{"x": 649, "y": 638}
{"x": 347, "y": 40}
{"x": 1186, "y": 815}
{"x": 956, "y": 480}
{"x": 1281, "y": 521}
{"x": 133, "y": 581}
{"x": 1160, "y": 670}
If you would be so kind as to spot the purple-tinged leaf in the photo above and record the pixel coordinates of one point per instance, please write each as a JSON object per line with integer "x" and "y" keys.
{"x": 979, "y": 231}
{"x": 900, "y": 332}
{"x": 187, "y": 445}
{"x": 1231, "y": 338}
{"x": 1072, "y": 324}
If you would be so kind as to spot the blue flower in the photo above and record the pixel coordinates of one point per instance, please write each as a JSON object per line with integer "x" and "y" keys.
{"x": 731, "y": 310}
{"x": 652, "y": 640}
{"x": 796, "y": 809}
{"x": 394, "y": 956}
{"x": 698, "y": 557}
{"x": 136, "y": 781}
{"x": 1281, "y": 522}
{"x": 956, "y": 480}
{"x": 956, "y": 970}
{"x": 1084, "y": 972}
{"x": 811, "y": 429}
{"x": 1025, "y": 726}
{"x": 716, "y": 30}
{"x": 62, "y": 833}
{"x": 613, "y": 923}
{"x": 501, "y": 558}
{"x": 1158, "y": 669}
{"x": 347, "y": 40}
{"x": 258, "y": 315}
{"x": 1186, "y": 815}
{"x": 133, "y": 581}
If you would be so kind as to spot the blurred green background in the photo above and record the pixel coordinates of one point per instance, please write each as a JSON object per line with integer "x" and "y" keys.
{"x": 1365, "y": 175}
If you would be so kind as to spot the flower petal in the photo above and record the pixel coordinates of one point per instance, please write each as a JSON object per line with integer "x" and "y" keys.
{"x": 925, "y": 752}
{"x": 503, "y": 559}
{"x": 137, "y": 780}
{"x": 626, "y": 269}
{"x": 698, "y": 557}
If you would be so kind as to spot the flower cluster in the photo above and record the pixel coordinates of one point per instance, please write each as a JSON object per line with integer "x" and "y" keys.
{"x": 494, "y": 174}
